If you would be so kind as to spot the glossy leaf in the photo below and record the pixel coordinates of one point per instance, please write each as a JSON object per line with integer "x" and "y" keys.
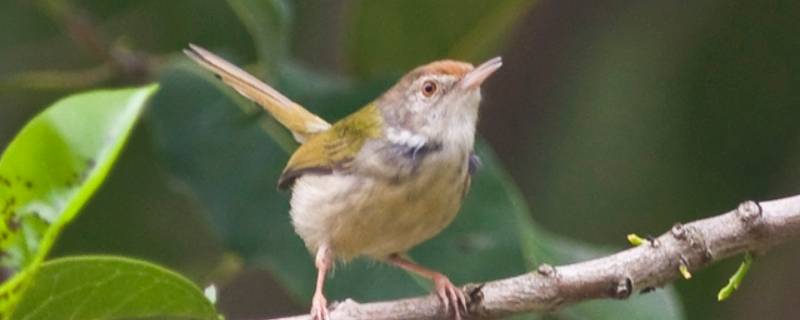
{"x": 107, "y": 287}
{"x": 395, "y": 36}
{"x": 51, "y": 169}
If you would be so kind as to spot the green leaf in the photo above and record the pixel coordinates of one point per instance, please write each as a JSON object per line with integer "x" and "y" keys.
{"x": 51, "y": 169}
{"x": 395, "y": 36}
{"x": 107, "y": 287}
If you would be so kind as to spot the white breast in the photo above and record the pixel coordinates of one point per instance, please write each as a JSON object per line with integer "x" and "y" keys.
{"x": 358, "y": 215}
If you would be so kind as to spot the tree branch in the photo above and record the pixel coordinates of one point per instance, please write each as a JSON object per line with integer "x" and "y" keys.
{"x": 751, "y": 227}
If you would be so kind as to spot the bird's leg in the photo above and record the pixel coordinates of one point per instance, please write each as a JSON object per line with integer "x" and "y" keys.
{"x": 319, "y": 305}
{"x": 448, "y": 293}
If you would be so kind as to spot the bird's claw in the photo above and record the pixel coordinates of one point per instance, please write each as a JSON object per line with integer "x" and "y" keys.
{"x": 449, "y": 294}
{"x": 319, "y": 307}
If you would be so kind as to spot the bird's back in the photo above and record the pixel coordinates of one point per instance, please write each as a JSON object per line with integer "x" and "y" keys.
{"x": 335, "y": 148}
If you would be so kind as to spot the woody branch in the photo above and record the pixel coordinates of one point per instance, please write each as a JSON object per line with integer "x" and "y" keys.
{"x": 752, "y": 227}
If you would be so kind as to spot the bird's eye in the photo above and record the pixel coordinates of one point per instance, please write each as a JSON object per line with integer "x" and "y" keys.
{"x": 429, "y": 88}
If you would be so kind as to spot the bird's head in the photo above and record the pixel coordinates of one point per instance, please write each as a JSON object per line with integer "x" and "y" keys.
{"x": 437, "y": 101}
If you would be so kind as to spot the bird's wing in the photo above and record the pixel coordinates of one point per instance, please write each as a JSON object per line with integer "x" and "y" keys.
{"x": 302, "y": 123}
{"x": 334, "y": 149}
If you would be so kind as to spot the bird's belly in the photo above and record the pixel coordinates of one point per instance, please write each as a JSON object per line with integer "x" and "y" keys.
{"x": 374, "y": 217}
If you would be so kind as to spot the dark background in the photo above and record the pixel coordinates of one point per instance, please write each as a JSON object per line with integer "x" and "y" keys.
{"x": 611, "y": 117}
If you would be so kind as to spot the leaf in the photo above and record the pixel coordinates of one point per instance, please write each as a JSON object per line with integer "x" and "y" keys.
{"x": 395, "y": 36}
{"x": 107, "y": 287}
{"x": 51, "y": 169}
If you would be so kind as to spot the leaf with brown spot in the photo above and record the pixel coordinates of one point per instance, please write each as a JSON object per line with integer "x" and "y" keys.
{"x": 52, "y": 149}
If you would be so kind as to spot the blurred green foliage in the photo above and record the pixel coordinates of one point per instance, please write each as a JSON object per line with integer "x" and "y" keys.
{"x": 391, "y": 37}
{"x": 100, "y": 287}
{"x": 611, "y": 117}
{"x": 50, "y": 171}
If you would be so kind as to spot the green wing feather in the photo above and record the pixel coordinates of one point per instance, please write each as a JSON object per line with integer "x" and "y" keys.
{"x": 335, "y": 148}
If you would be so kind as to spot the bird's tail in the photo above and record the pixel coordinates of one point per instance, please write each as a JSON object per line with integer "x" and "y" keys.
{"x": 291, "y": 115}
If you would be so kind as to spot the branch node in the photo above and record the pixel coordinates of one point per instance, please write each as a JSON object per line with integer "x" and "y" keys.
{"x": 622, "y": 289}
{"x": 749, "y": 211}
{"x": 684, "y": 268}
{"x": 707, "y": 256}
{"x": 654, "y": 243}
{"x": 695, "y": 238}
{"x": 475, "y": 294}
{"x": 558, "y": 302}
{"x": 678, "y": 231}
{"x": 647, "y": 290}
{"x": 683, "y": 260}
{"x": 546, "y": 270}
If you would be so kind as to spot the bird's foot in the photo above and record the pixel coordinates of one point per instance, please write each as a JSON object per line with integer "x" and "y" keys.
{"x": 319, "y": 307}
{"x": 450, "y": 295}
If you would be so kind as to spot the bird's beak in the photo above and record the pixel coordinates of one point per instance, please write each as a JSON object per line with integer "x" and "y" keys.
{"x": 475, "y": 78}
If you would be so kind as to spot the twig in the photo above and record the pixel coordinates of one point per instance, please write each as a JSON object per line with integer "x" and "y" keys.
{"x": 751, "y": 227}
{"x": 132, "y": 66}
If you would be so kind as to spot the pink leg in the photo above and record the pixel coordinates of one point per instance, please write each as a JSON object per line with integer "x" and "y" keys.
{"x": 447, "y": 292}
{"x": 319, "y": 305}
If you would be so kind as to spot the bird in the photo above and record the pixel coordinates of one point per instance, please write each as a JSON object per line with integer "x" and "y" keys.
{"x": 383, "y": 179}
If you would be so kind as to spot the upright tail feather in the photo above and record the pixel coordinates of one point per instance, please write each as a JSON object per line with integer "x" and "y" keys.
{"x": 302, "y": 123}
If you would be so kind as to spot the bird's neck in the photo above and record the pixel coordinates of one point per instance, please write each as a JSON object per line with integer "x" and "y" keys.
{"x": 450, "y": 124}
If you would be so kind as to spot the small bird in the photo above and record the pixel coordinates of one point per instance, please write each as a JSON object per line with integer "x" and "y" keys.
{"x": 383, "y": 179}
